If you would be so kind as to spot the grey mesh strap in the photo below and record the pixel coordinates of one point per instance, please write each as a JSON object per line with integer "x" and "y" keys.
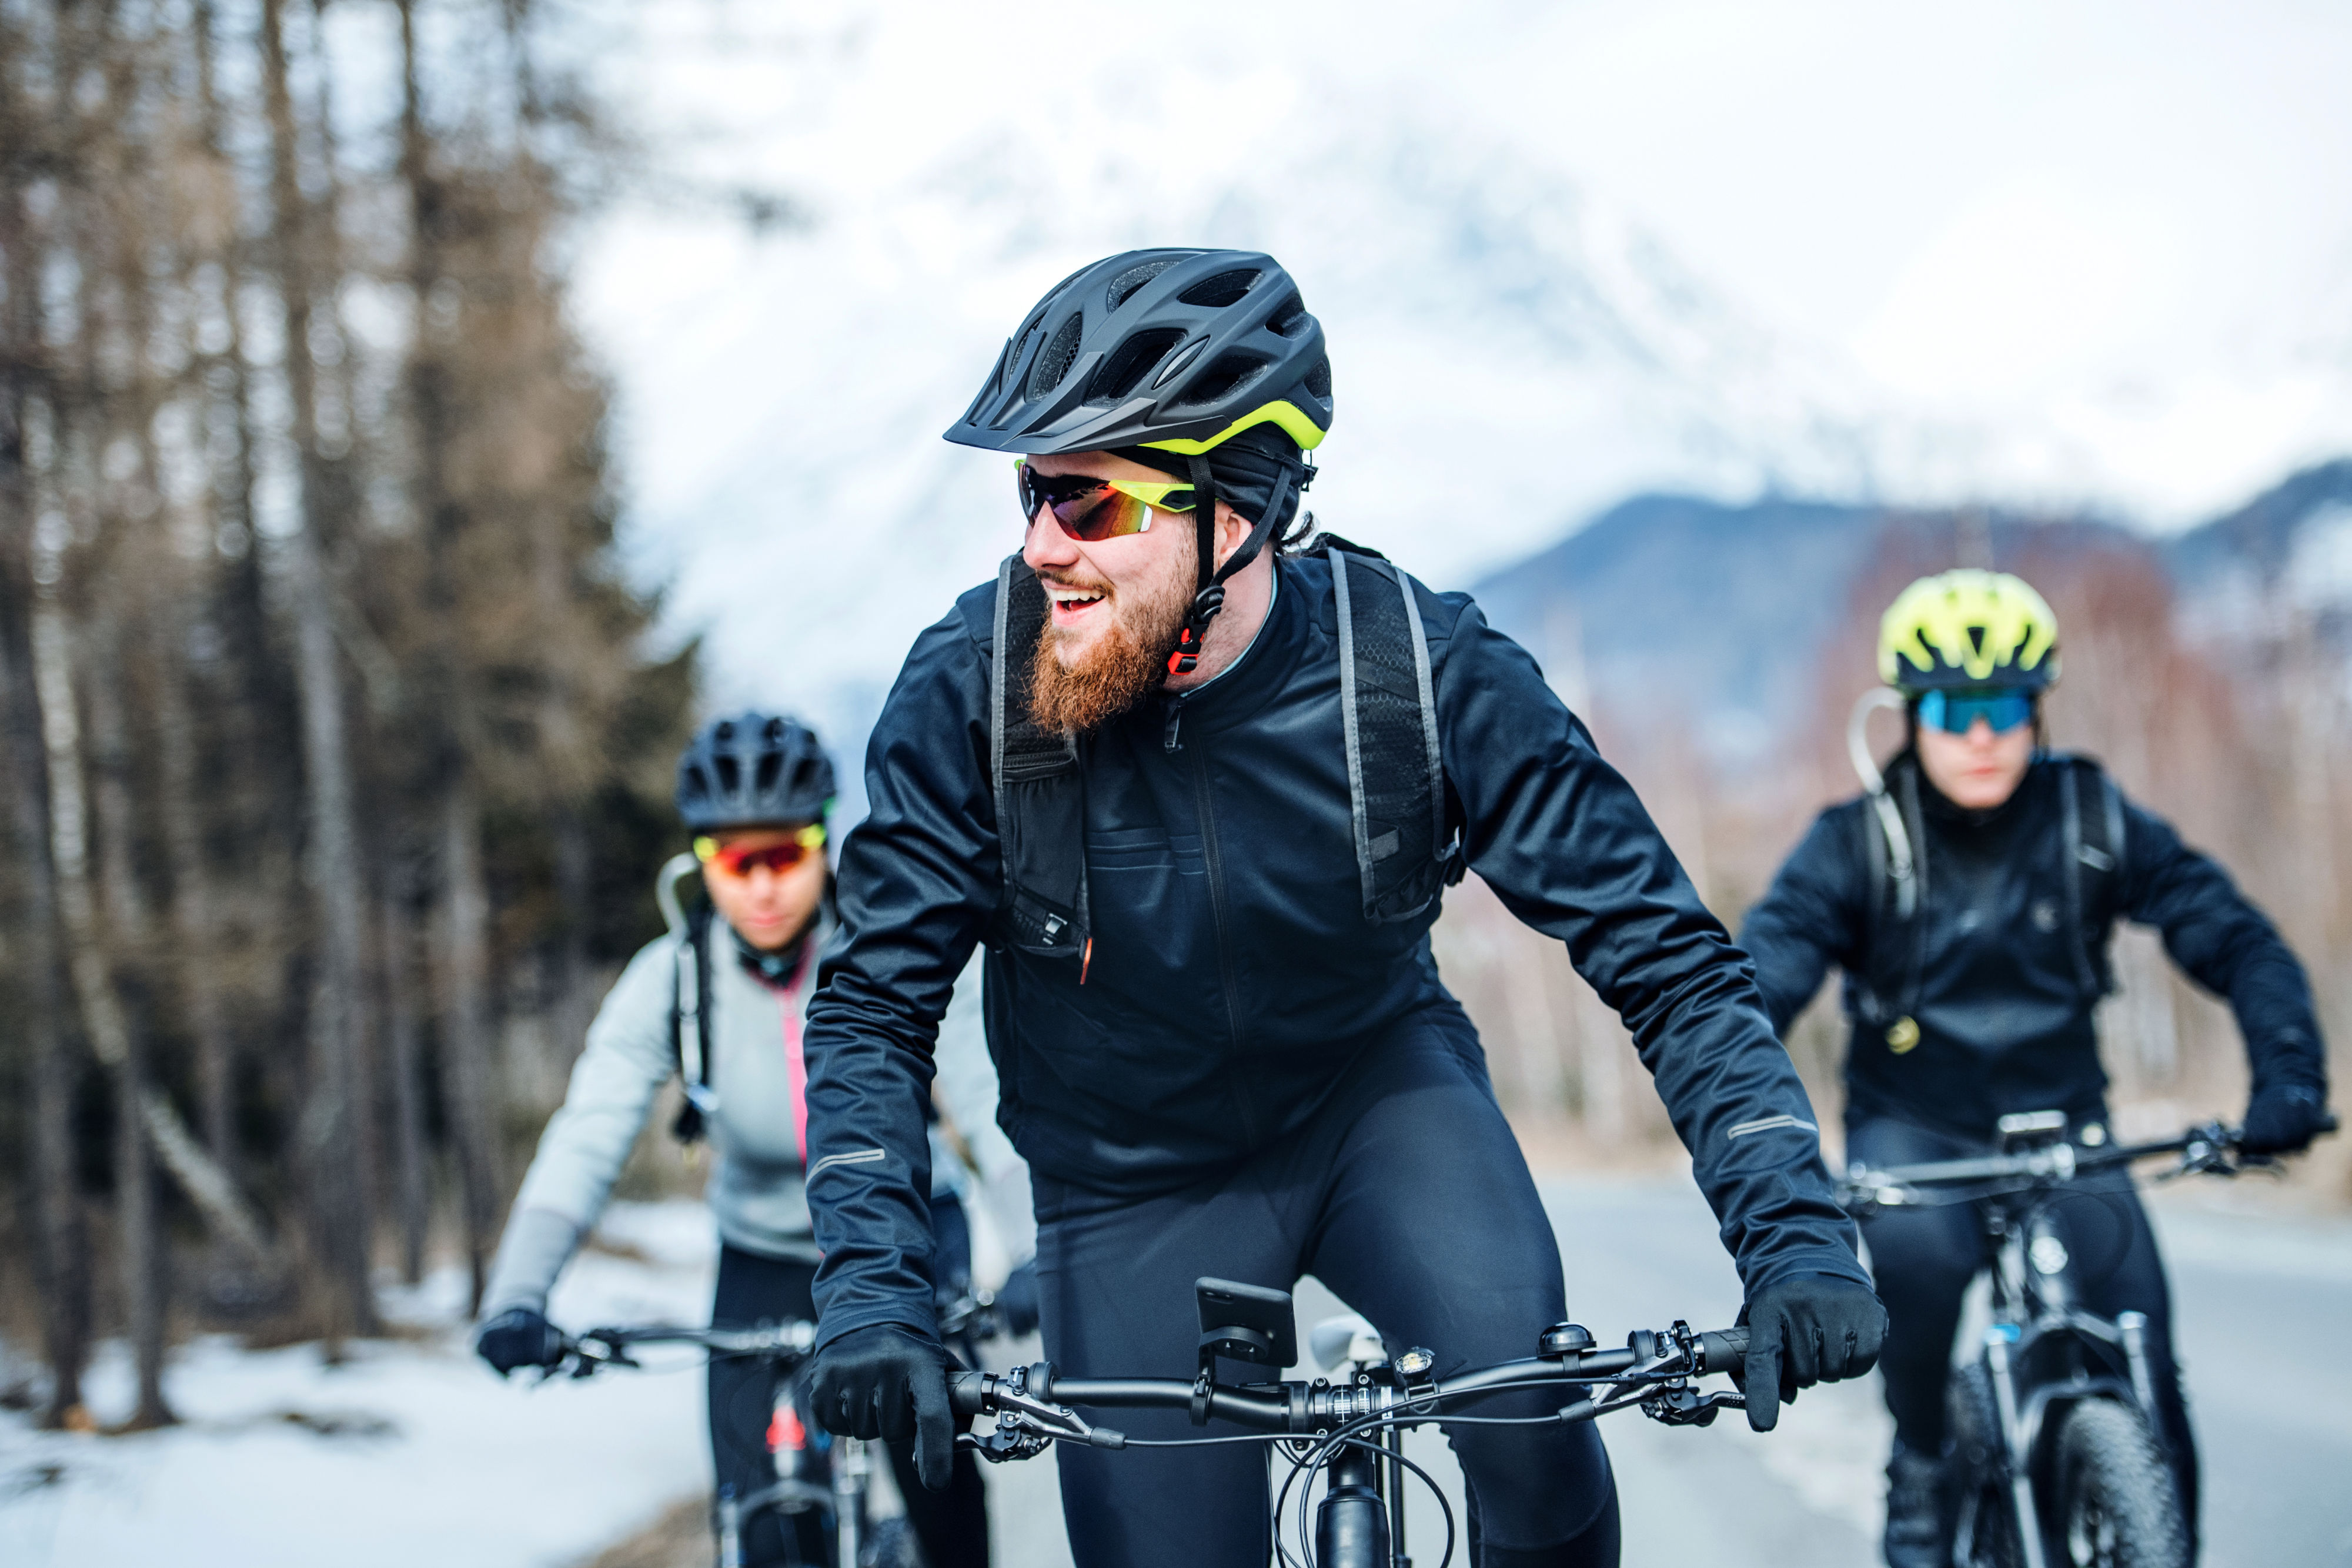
{"x": 996, "y": 684}
{"x": 1396, "y": 782}
{"x": 1348, "y": 725}
{"x": 1428, "y": 715}
{"x": 2071, "y": 806}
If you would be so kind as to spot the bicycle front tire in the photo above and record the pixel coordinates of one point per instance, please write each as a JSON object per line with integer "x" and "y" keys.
{"x": 2117, "y": 1504}
{"x": 1981, "y": 1514}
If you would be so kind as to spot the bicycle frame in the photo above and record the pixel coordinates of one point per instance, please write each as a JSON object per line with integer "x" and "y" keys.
{"x": 785, "y": 1346}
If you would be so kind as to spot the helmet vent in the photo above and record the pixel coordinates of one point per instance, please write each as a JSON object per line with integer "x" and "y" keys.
{"x": 1054, "y": 361}
{"x": 730, "y": 775}
{"x": 1131, "y": 361}
{"x": 1976, "y": 638}
{"x": 1289, "y": 317}
{"x": 770, "y": 768}
{"x": 1223, "y": 290}
{"x": 1319, "y": 380}
{"x": 1135, "y": 277}
{"x": 1227, "y": 374}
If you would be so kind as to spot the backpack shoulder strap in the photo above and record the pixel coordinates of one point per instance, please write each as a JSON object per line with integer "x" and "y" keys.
{"x": 1894, "y": 854}
{"x": 1406, "y": 852}
{"x": 1039, "y": 788}
{"x": 689, "y": 1016}
{"x": 2093, "y": 837}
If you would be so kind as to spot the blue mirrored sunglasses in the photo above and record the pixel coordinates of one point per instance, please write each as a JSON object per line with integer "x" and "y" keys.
{"x": 1955, "y": 713}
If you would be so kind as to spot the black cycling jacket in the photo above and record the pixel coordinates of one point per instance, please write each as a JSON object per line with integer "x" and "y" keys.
{"x": 2004, "y": 1022}
{"x": 1233, "y": 974}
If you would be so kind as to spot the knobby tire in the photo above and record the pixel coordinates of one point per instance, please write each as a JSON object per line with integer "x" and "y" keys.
{"x": 1980, "y": 1517}
{"x": 2118, "y": 1505}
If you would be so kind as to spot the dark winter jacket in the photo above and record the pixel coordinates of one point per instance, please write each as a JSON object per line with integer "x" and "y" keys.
{"x": 1996, "y": 981}
{"x": 1234, "y": 974}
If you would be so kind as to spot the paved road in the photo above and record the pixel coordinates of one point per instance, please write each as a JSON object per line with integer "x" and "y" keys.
{"x": 2278, "y": 1463}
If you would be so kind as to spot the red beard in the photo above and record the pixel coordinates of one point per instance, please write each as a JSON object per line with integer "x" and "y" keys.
{"x": 1129, "y": 661}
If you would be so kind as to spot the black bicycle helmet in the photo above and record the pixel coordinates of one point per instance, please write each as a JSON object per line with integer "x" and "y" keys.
{"x": 1175, "y": 351}
{"x": 751, "y": 770}
{"x": 1173, "y": 348}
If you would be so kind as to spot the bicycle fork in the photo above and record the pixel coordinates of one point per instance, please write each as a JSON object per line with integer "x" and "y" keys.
{"x": 850, "y": 1468}
{"x": 2020, "y": 1480}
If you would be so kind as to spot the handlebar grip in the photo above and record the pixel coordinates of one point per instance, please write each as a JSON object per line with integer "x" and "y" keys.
{"x": 968, "y": 1393}
{"x": 1725, "y": 1350}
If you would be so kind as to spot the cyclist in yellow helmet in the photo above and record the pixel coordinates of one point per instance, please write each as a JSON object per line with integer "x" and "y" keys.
{"x": 1969, "y": 896}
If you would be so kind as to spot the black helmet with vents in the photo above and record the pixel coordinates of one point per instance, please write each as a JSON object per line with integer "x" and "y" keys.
{"x": 1178, "y": 349}
{"x": 752, "y": 769}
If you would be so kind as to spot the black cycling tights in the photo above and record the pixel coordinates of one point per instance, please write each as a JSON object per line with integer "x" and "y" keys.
{"x": 1406, "y": 1193}
{"x": 1923, "y": 1260}
{"x": 952, "y": 1525}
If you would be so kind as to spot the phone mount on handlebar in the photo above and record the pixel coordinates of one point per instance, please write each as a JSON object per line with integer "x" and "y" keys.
{"x": 1240, "y": 1323}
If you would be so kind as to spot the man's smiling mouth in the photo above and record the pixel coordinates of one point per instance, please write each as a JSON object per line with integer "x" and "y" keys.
{"x": 1070, "y": 604}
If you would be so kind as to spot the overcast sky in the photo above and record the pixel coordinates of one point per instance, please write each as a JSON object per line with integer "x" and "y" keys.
{"x": 2094, "y": 252}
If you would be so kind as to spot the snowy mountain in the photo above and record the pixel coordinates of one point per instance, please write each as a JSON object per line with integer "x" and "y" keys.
{"x": 1680, "y": 609}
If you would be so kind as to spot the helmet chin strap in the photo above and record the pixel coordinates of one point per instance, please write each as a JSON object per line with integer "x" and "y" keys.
{"x": 1212, "y": 577}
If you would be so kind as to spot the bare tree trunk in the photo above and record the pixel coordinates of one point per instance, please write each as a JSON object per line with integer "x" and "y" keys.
{"x": 406, "y": 1065}
{"x": 193, "y": 905}
{"x": 462, "y": 928}
{"x": 101, "y": 1011}
{"x": 62, "y": 1258}
{"x": 128, "y": 924}
{"x": 463, "y": 932}
{"x": 328, "y": 1135}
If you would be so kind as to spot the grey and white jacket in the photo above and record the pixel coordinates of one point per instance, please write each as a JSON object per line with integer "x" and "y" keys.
{"x": 755, "y": 1129}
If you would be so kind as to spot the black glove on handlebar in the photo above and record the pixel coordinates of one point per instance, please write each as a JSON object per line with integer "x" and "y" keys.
{"x": 1814, "y": 1328}
{"x": 519, "y": 1337}
{"x": 2282, "y": 1120}
{"x": 890, "y": 1383}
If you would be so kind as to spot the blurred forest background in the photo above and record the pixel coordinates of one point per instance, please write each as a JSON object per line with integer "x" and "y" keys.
{"x": 334, "y": 770}
{"x": 337, "y": 764}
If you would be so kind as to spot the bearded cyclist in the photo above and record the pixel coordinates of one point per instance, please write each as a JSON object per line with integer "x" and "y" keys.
{"x": 1198, "y": 797}
{"x": 1968, "y": 898}
{"x": 721, "y": 1004}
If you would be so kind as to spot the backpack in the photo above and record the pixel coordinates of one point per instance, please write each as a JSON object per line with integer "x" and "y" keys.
{"x": 1895, "y": 842}
{"x": 1406, "y": 851}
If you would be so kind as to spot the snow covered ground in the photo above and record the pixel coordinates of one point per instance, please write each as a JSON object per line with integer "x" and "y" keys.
{"x": 410, "y": 1452}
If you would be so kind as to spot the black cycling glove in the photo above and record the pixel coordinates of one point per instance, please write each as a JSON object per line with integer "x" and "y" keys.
{"x": 890, "y": 1383}
{"x": 519, "y": 1337}
{"x": 1813, "y": 1328}
{"x": 2282, "y": 1120}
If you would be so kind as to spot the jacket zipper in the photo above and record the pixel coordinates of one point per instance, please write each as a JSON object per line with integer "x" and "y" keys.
{"x": 1216, "y": 868}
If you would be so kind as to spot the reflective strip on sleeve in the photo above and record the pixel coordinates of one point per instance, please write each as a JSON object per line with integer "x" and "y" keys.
{"x": 1768, "y": 1124}
{"x": 855, "y": 1157}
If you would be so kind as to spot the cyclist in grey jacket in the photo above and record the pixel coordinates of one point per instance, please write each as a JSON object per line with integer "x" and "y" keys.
{"x": 711, "y": 1001}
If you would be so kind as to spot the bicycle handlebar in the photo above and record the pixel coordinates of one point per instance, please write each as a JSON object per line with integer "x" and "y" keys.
{"x": 601, "y": 1347}
{"x": 2208, "y": 1147}
{"x": 1304, "y": 1408}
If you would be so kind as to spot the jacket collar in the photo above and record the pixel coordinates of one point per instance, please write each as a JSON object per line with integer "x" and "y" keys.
{"x": 1265, "y": 668}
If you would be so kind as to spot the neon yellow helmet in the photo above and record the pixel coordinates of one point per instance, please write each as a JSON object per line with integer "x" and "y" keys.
{"x": 1969, "y": 628}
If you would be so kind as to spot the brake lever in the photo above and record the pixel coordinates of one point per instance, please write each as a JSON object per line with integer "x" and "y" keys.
{"x": 1026, "y": 1427}
{"x": 1683, "y": 1405}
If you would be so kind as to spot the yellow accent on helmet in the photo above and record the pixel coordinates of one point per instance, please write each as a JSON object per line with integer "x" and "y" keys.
{"x": 1281, "y": 412}
{"x": 1969, "y": 627}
